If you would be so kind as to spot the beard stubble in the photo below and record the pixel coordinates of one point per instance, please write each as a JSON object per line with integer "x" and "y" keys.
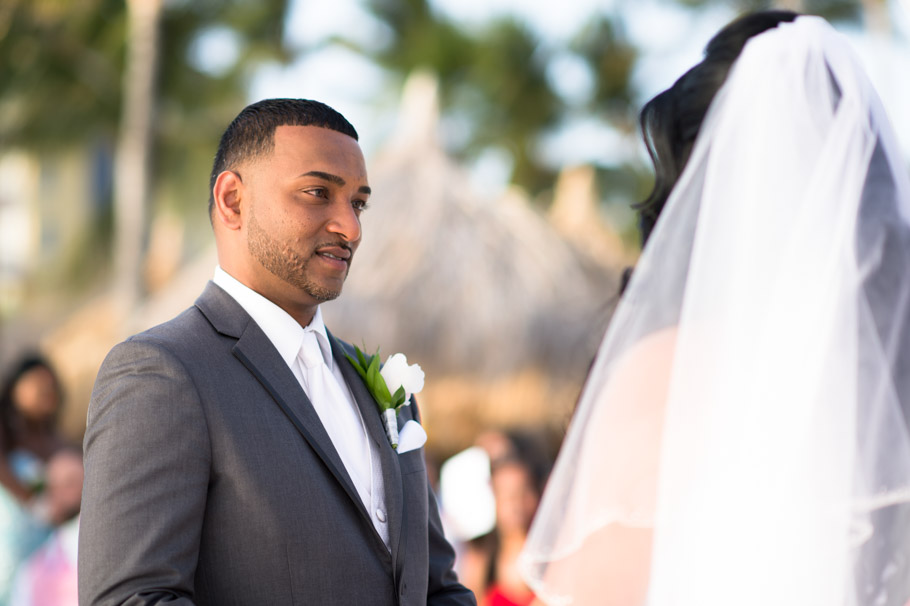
{"x": 285, "y": 263}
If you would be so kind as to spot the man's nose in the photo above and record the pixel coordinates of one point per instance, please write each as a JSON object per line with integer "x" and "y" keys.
{"x": 345, "y": 221}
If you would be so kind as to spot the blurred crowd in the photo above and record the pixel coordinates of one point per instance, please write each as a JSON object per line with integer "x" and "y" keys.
{"x": 488, "y": 495}
{"x": 40, "y": 490}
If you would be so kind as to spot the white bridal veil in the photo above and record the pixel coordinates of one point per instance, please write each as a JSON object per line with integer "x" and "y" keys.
{"x": 743, "y": 435}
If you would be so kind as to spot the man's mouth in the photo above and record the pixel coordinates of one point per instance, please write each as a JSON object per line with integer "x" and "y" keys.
{"x": 336, "y": 253}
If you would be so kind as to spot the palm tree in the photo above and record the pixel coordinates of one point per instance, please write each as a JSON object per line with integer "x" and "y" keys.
{"x": 80, "y": 74}
{"x": 495, "y": 80}
{"x": 131, "y": 172}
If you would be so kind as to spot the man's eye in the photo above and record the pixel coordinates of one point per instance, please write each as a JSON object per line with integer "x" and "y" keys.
{"x": 360, "y": 204}
{"x": 319, "y": 192}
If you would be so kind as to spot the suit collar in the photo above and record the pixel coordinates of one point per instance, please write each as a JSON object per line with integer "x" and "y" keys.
{"x": 283, "y": 331}
{"x": 222, "y": 311}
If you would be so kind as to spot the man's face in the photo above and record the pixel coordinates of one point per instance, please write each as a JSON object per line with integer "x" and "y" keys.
{"x": 302, "y": 224}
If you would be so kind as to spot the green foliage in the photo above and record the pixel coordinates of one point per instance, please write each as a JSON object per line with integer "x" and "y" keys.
{"x": 61, "y": 88}
{"x": 512, "y": 100}
{"x": 493, "y": 79}
{"x": 62, "y": 65}
{"x": 197, "y": 105}
{"x": 611, "y": 59}
{"x": 833, "y": 10}
{"x": 368, "y": 368}
{"x": 420, "y": 39}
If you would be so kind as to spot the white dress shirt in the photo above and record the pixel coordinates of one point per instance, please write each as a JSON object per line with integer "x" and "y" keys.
{"x": 341, "y": 419}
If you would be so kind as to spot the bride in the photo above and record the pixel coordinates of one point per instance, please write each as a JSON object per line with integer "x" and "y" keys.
{"x": 743, "y": 435}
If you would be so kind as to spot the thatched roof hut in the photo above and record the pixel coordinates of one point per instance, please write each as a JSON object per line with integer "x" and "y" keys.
{"x": 502, "y": 311}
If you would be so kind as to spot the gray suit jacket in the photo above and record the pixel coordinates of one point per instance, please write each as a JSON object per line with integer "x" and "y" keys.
{"x": 211, "y": 480}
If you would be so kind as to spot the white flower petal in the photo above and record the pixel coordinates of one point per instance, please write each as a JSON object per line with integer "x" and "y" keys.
{"x": 393, "y": 371}
{"x": 413, "y": 381}
{"x": 397, "y": 373}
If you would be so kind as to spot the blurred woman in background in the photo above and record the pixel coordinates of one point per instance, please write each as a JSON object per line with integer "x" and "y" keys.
{"x": 518, "y": 468}
{"x": 30, "y": 401}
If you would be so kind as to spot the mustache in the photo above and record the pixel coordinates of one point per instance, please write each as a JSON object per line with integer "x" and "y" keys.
{"x": 339, "y": 244}
{"x": 335, "y": 244}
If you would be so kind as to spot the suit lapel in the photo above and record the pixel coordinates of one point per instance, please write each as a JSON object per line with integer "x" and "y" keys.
{"x": 259, "y": 356}
{"x": 391, "y": 472}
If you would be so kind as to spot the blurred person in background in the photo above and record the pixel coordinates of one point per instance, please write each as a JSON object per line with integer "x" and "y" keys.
{"x": 518, "y": 467}
{"x": 48, "y": 576}
{"x": 30, "y": 403}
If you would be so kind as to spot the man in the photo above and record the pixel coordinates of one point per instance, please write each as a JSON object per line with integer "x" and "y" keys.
{"x": 233, "y": 455}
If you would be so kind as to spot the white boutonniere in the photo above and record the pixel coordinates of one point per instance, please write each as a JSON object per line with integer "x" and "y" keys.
{"x": 391, "y": 385}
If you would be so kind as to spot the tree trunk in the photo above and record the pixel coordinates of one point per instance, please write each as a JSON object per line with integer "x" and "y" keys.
{"x": 133, "y": 156}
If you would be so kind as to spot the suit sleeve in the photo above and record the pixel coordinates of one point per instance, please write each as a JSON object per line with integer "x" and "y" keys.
{"x": 147, "y": 462}
{"x": 443, "y": 588}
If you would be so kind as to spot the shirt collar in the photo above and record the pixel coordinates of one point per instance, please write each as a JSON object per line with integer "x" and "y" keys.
{"x": 279, "y": 327}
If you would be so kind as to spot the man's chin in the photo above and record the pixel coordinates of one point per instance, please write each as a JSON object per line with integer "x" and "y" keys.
{"x": 321, "y": 288}
{"x": 322, "y": 294}
{"x": 325, "y": 297}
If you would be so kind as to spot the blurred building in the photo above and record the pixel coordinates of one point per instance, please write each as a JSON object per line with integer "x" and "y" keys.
{"x": 503, "y": 311}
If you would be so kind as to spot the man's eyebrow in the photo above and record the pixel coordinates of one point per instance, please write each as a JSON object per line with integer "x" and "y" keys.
{"x": 325, "y": 177}
{"x": 364, "y": 189}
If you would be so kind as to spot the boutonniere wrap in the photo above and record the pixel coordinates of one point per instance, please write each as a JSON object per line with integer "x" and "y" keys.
{"x": 391, "y": 385}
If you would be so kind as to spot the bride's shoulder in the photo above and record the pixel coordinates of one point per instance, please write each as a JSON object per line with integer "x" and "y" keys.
{"x": 627, "y": 418}
{"x": 648, "y": 360}
{"x": 635, "y": 389}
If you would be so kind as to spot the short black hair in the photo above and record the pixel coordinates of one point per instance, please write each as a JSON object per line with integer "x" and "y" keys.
{"x": 252, "y": 133}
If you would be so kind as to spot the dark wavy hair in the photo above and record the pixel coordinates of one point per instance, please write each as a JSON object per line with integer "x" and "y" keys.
{"x": 8, "y": 406}
{"x": 252, "y": 132}
{"x": 670, "y": 121}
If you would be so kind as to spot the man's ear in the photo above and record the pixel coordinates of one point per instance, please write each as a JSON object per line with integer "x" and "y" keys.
{"x": 228, "y": 195}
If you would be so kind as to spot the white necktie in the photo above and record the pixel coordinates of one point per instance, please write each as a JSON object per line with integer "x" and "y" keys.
{"x": 341, "y": 421}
